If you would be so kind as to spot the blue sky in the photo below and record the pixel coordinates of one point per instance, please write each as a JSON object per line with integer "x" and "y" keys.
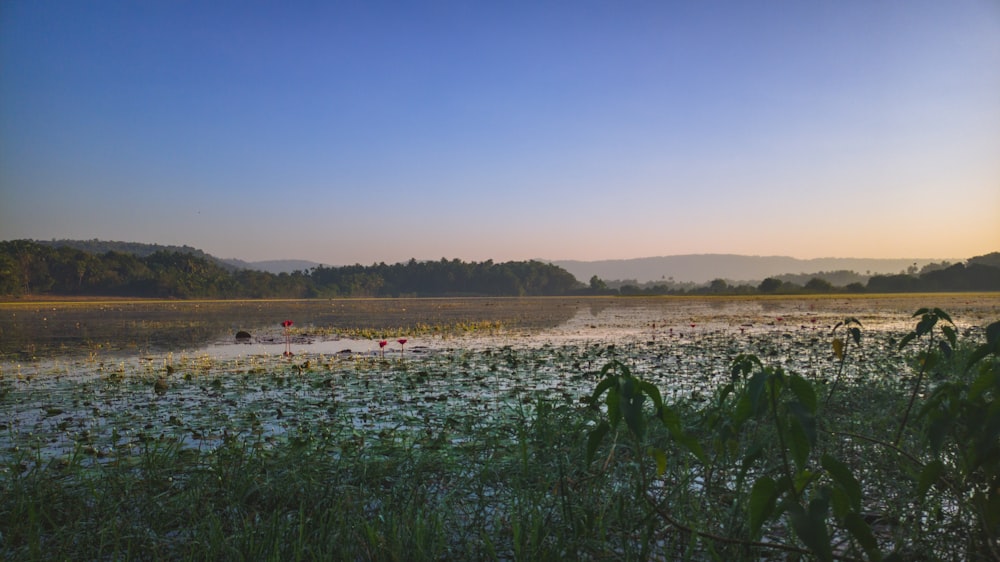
{"x": 360, "y": 132}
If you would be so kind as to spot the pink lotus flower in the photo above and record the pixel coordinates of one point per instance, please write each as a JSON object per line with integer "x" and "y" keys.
{"x": 381, "y": 346}
{"x": 288, "y": 341}
{"x": 402, "y": 344}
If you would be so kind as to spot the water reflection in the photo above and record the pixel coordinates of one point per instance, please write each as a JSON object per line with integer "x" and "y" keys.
{"x": 30, "y": 330}
{"x": 73, "y": 329}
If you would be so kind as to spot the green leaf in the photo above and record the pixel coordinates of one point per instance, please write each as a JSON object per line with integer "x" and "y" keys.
{"x": 624, "y": 369}
{"x": 763, "y": 497}
{"x": 929, "y": 476}
{"x": 594, "y": 439}
{"x": 803, "y": 479}
{"x": 743, "y": 365}
{"x": 614, "y": 406}
{"x": 907, "y": 339}
{"x": 926, "y": 324}
{"x": 804, "y": 391}
{"x": 862, "y": 532}
{"x": 602, "y": 387}
{"x": 798, "y": 443}
{"x": 927, "y": 360}
{"x": 844, "y": 478}
{"x": 838, "y": 348}
{"x": 840, "y": 502}
{"x": 661, "y": 460}
{"x": 949, "y": 333}
{"x": 977, "y": 355}
{"x": 810, "y": 527}
{"x": 754, "y": 454}
{"x": 986, "y": 380}
{"x": 691, "y": 444}
{"x": 942, "y": 314}
{"x": 609, "y": 367}
{"x": 670, "y": 419}
{"x": 653, "y": 393}
{"x": 805, "y": 419}
{"x": 993, "y": 335}
{"x": 856, "y": 334}
{"x": 744, "y": 410}
{"x": 631, "y": 401}
{"x": 755, "y": 389}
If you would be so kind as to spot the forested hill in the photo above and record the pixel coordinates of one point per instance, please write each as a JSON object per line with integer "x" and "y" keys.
{"x": 142, "y": 250}
{"x": 139, "y": 249}
{"x": 32, "y": 268}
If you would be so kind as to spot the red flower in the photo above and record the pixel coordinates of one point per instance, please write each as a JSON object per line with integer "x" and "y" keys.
{"x": 382, "y": 343}
{"x": 288, "y": 338}
{"x": 402, "y": 341}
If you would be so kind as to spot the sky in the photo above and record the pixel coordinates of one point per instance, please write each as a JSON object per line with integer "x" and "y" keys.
{"x": 364, "y": 132}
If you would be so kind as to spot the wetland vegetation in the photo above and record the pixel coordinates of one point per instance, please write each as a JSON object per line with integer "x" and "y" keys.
{"x": 510, "y": 429}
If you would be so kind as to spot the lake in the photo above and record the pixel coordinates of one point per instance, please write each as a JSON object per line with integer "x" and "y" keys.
{"x": 106, "y": 377}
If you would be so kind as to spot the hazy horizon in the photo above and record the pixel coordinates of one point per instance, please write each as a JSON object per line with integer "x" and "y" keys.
{"x": 377, "y": 132}
{"x": 928, "y": 259}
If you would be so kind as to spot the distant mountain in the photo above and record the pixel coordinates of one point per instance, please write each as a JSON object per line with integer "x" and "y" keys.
{"x": 273, "y": 266}
{"x": 693, "y": 268}
{"x": 702, "y": 268}
{"x": 143, "y": 250}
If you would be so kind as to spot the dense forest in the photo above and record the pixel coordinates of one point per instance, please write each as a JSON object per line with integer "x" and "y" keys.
{"x": 31, "y": 268}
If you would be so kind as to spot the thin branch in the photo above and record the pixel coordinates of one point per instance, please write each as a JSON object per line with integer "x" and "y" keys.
{"x": 729, "y": 540}
{"x": 879, "y": 442}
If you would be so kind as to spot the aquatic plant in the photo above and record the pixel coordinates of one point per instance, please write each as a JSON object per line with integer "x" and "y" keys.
{"x": 286, "y": 325}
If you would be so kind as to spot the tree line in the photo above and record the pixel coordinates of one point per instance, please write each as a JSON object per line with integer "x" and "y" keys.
{"x": 981, "y": 273}
{"x": 31, "y": 268}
